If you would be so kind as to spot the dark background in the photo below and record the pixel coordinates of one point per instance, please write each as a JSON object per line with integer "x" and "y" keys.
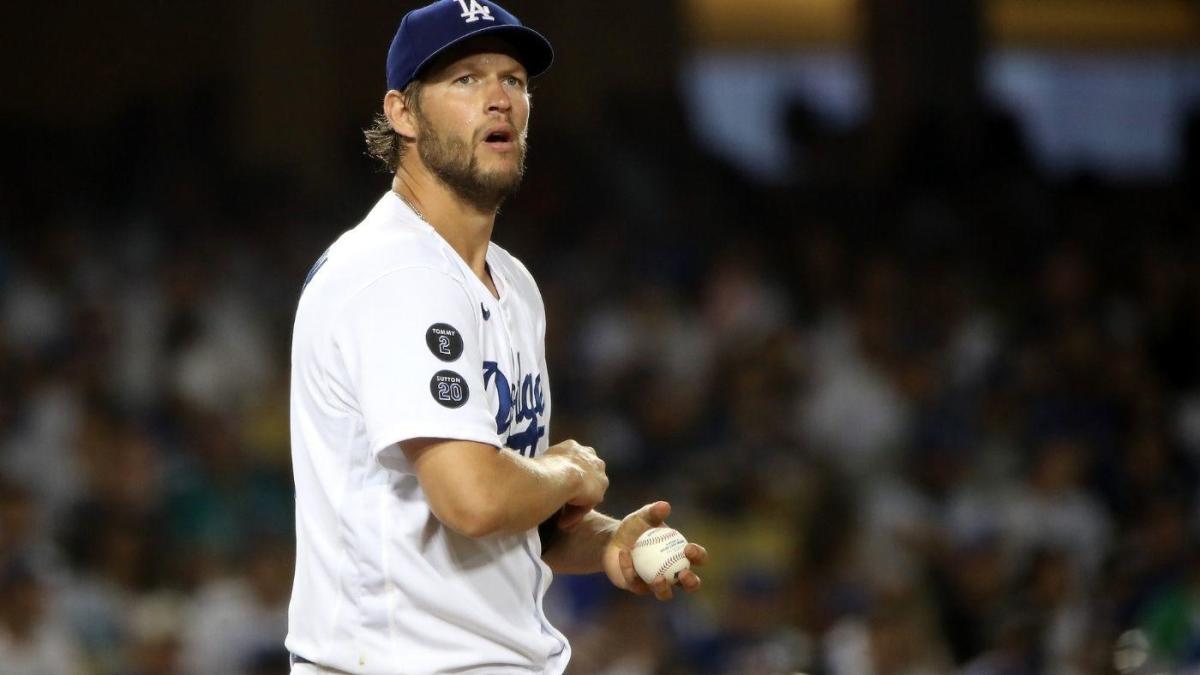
{"x": 930, "y": 400}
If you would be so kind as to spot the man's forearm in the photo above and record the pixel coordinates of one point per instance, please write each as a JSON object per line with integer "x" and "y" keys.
{"x": 528, "y": 491}
{"x": 581, "y": 550}
{"x": 479, "y": 491}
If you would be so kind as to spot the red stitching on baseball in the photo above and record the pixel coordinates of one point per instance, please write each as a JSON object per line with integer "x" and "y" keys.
{"x": 662, "y": 571}
{"x": 657, "y": 539}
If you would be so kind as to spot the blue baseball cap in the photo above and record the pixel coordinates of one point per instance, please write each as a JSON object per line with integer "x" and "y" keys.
{"x": 427, "y": 32}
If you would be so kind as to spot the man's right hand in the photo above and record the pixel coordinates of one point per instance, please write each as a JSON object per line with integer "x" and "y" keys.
{"x": 593, "y": 481}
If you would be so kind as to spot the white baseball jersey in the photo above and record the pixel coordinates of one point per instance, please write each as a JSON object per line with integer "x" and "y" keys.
{"x": 396, "y": 338}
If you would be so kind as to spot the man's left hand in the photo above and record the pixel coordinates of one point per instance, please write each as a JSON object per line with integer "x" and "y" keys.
{"x": 618, "y": 561}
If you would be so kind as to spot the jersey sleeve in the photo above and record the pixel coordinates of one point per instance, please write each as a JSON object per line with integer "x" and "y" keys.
{"x": 411, "y": 346}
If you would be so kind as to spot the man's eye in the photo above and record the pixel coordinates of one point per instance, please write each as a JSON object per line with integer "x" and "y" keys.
{"x": 465, "y": 79}
{"x": 515, "y": 81}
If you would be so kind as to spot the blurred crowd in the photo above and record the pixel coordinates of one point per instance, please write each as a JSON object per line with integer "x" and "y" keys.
{"x": 936, "y": 415}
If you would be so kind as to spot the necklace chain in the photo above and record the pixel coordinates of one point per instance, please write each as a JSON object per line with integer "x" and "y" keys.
{"x": 410, "y": 205}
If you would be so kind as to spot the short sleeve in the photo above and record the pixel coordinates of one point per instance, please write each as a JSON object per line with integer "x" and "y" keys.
{"x": 410, "y": 344}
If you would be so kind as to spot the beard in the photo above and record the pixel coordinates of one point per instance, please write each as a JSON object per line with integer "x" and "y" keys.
{"x": 454, "y": 163}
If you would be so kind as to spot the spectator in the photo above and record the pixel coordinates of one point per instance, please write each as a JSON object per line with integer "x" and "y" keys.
{"x": 31, "y": 643}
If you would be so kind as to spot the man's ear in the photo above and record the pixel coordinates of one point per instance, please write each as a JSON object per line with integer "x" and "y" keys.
{"x": 400, "y": 114}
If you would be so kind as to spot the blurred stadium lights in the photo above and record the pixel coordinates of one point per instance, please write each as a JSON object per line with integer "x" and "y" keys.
{"x": 771, "y": 23}
{"x": 1050, "y": 24}
{"x": 1052, "y": 63}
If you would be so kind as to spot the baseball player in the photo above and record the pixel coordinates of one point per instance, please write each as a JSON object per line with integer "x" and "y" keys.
{"x": 420, "y": 399}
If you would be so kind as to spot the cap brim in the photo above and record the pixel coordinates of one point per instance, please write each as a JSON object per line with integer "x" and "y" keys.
{"x": 533, "y": 49}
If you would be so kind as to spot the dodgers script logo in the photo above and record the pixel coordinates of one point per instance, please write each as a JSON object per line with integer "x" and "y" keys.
{"x": 518, "y": 404}
{"x": 475, "y": 11}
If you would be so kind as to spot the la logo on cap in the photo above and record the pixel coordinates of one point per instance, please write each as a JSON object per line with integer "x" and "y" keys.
{"x": 475, "y": 11}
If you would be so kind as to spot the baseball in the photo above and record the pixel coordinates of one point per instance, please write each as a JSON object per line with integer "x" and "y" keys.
{"x": 660, "y": 551}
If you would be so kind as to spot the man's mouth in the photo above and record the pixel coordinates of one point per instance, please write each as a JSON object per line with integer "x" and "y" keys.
{"x": 501, "y": 139}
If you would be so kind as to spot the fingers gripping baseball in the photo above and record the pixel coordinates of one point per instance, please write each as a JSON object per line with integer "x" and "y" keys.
{"x": 654, "y": 515}
{"x": 663, "y": 588}
{"x": 697, "y": 555}
{"x": 663, "y": 556}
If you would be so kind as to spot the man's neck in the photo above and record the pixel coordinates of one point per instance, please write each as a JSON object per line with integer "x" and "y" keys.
{"x": 467, "y": 229}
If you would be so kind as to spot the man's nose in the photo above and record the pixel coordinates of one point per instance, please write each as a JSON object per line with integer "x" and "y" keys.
{"x": 498, "y": 97}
